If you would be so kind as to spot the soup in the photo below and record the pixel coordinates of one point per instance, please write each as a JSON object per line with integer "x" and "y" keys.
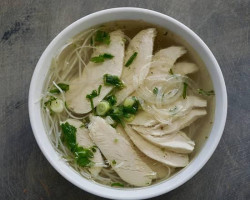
{"x": 127, "y": 103}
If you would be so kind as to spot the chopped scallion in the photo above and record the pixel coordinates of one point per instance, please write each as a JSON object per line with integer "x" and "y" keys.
{"x": 101, "y": 58}
{"x": 206, "y": 93}
{"x": 184, "y": 94}
{"x": 131, "y": 59}
{"x": 102, "y": 108}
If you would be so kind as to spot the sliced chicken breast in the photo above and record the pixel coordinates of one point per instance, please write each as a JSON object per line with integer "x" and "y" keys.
{"x": 161, "y": 155}
{"x": 143, "y": 118}
{"x": 134, "y": 74}
{"x": 184, "y": 68}
{"x": 118, "y": 151}
{"x": 160, "y": 130}
{"x": 164, "y": 59}
{"x": 160, "y": 169}
{"x": 92, "y": 76}
{"x": 178, "y": 142}
{"x": 83, "y": 140}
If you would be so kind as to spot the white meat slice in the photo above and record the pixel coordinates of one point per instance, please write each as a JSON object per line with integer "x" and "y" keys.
{"x": 177, "y": 125}
{"x": 143, "y": 118}
{"x": 161, "y": 155}
{"x": 164, "y": 59}
{"x": 134, "y": 74}
{"x": 83, "y": 140}
{"x": 184, "y": 68}
{"x": 178, "y": 142}
{"x": 160, "y": 169}
{"x": 116, "y": 148}
{"x": 92, "y": 76}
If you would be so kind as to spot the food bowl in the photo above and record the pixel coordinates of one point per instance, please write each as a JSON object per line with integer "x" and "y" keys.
{"x": 39, "y": 76}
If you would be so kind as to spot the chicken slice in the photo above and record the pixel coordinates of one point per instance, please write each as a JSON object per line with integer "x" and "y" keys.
{"x": 164, "y": 59}
{"x": 135, "y": 73}
{"x": 160, "y": 169}
{"x": 83, "y": 140}
{"x": 92, "y": 76}
{"x": 156, "y": 153}
{"x": 177, "y": 125}
{"x": 178, "y": 142}
{"x": 184, "y": 68}
{"x": 143, "y": 118}
{"x": 128, "y": 165}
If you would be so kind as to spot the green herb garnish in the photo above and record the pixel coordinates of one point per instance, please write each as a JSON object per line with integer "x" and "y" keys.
{"x": 102, "y": 37}
{"x": 113, "y": 162}
{"x": 101, "y": 58}
{"x": 155, "y": 90}
{"x": 206, "y": 93}
{"x": 117, "y": 184}
{"x": 113, "y": 81}
{"x": 99, "y": 90}
{"x": 64, "y": 87}
{"x": 131, "y": 105}
{"x": 48, "y": 103}
{"x": 171, "y": 71}
{"x": 91, "y": 97}
{"x": 184, "y": 94}
{"x": 111, "y": 99}
{"x": 131, "y": 59}
{"x": 82, "y": 155}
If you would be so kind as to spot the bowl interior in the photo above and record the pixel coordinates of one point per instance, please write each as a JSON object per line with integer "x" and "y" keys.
{"x": 153, "y": 17}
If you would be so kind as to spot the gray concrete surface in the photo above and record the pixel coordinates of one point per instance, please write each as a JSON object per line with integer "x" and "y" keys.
{"x": 27, "y": 27}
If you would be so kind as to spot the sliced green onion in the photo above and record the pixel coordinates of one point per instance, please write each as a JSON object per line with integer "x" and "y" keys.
{"x": 117, "y": 185}
{"x": 206, "y": 93}
{"x": 57, "y": 106}
{"x": 129, "y": 117}
{"x": 102, "y": 108}
{"x": 129, "y": 102}
{"x": 184, "y": 94}
{"x": 131, "y": 59}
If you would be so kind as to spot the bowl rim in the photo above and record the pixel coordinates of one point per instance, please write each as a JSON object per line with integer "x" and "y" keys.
{"x": 144, "y": 192}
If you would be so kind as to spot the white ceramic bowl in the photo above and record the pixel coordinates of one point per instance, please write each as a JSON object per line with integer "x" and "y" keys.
{"x": 129, "y": 14}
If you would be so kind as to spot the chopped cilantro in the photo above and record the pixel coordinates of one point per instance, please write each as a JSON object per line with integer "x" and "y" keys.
{"x": 82, "y": 155}
{"x": 113, "y": 162}
{"x": 48, "y": 103}
{"x": 131, "y": 59}
{"x": 91, "y": 97}
{"x": 64, "y": 87}
{"x": 111, "y": 99}
{"x": 101, "y": 58}
{"x": 112, "y": 80}
{"x": 102, "y": 37}
{"x": 99, "y": 90}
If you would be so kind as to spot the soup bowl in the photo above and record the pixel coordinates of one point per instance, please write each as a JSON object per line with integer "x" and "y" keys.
{"x": 39, "y": 77}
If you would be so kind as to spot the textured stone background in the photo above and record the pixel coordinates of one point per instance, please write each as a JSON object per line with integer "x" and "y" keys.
{"x": 27, "y": 27}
